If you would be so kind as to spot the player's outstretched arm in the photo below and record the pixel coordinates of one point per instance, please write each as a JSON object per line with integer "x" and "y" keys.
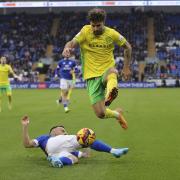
{"x": 56, "y": 73}
{"x": 69, "y": 48}
{"x": 14, "y": 74}
{"x": 27, "y": 142}
{"x": 127, "y": 60}
{"x": 17, "y": 77}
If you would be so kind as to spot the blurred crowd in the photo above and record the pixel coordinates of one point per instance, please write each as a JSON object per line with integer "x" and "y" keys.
{"x": 24, "y": 39}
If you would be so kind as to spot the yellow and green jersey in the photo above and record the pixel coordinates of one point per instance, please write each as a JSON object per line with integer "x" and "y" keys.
{"x": 4, "y": 74}
{"x": 97, "y": 51}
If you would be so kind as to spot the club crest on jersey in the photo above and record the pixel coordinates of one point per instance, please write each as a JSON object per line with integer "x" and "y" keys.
{"x": 108, "y": 40}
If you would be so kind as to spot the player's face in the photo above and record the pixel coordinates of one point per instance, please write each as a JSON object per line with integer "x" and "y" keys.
{"x": 97, "y": 27}
{"x": 3, "y": 60}
{"x": 60, "y": 131}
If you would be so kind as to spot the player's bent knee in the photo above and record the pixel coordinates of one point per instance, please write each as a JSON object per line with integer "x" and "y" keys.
{"x": 111, "y": 71}
{"x": 100, "y": 115}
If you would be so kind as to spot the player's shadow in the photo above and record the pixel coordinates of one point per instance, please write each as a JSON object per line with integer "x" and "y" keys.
{"x": 115, "y": 161}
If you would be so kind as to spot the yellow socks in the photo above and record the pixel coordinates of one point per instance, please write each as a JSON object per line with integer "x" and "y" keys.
{"x": 111, "y": 83}
{"x": 111, "y": 114}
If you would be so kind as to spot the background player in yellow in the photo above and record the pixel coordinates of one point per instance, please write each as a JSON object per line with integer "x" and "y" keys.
{"x": 5, "y": 70}
{"x": 96, "y": 42}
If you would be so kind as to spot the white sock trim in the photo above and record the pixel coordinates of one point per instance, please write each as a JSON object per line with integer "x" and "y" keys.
{"x": 116, "y": 114}
{"x": 112, "y": 150}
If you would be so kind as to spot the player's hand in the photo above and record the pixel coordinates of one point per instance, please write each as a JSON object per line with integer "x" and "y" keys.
{"x": 56, "y": 77}
{"x": 17, "y": 77}
{"x": 67, "y": 52}
{"x": 86, "y": 153}
{"x": 126, "y": 73}
{"x": 25, "y": 120}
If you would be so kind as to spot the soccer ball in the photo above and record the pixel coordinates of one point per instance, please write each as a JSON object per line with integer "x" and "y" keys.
{"x": 86, "y": 137}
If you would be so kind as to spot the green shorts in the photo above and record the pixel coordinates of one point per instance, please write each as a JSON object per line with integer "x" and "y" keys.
{"x": 7, "y": 89}
{"x": 96, "y": 88}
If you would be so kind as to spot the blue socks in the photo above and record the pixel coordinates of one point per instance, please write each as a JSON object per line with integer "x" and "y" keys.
{"x": 66, "y": 161}
{"x": 100, "y": 146}
{"x": 75, "y": 153}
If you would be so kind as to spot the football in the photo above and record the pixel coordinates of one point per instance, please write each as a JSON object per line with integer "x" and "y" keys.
{"x": 86, "y": 137}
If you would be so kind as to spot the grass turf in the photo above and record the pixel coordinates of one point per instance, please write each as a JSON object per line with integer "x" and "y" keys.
{"x": 153, "y": 136}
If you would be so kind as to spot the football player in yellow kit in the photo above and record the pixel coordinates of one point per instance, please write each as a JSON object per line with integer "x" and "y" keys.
{"x": 97, "y": 42}
{"x": 5, "y": 86}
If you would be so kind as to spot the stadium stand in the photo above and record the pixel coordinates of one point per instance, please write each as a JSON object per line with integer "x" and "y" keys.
{"x": 168, "y": 43}
{"x": 33, "y": 43}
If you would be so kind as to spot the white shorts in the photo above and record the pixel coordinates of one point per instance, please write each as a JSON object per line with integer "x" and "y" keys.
{"x": 66, "y": 84}
{"x": 62, "y": 145}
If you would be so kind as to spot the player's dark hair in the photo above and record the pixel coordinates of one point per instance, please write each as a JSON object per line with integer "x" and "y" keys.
{"x": 97, "y": 15}
{"x": 55, "y": 127}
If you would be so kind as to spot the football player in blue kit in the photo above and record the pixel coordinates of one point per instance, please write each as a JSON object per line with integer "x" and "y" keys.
{"x": 65, "y": 71}
{"x": 63, "y": 149}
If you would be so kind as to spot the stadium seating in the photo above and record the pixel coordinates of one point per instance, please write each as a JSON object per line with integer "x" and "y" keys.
{"x": 27, "y": 38}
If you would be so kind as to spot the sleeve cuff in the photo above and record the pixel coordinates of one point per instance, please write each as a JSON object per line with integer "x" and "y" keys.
{"x": 36, "y": 142}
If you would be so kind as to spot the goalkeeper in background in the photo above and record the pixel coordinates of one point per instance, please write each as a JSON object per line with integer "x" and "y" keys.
{"x": 5, "y": 86}
{"x": 97, "y": 42}
{"x": 66, "y": 72}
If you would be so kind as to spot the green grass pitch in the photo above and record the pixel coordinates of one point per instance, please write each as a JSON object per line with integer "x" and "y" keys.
{"x": 153, "y": 136}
